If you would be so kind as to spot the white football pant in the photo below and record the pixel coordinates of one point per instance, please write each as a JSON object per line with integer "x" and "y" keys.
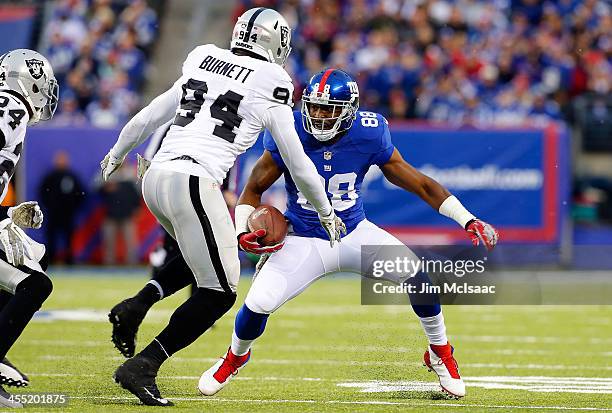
{"x": 193, "y": 211}
{"x": 303, "y": 260}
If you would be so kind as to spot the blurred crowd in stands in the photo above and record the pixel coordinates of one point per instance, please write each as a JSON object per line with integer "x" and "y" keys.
{"x": 501, "y": 62}
{"x": 99, "y": 51}
{"x": 483, "y": 62}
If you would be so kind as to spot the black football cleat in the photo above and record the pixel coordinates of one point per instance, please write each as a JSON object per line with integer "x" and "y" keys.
{"x": 137, "y": 375}
{"x": 11, "y": 376}
{"x": 126, "y": 317}
{"x": 7, "y": 401}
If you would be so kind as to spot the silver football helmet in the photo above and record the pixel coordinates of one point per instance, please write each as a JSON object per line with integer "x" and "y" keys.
{"x": 264, "y": 32}
{"x": 30, "y": 74}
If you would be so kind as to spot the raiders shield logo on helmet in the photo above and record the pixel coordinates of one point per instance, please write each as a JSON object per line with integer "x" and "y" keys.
{"x": 35, "y": 67}
{"x": 284, "y": 39}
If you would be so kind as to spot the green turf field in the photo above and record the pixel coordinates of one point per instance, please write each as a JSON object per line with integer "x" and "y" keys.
{"x": 325, "y": 352}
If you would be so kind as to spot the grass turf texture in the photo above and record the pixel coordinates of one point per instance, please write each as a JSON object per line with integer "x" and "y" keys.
{"x": 315, "y": 342}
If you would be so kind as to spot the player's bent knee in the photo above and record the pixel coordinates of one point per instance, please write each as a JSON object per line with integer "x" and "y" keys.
{"x": 218, "y": 301}
{"x": 37, "y": 285}
{"x": 262, "y": 303}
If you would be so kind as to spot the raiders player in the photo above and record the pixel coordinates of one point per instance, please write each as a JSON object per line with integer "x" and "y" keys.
{"x": 220, "y": 104}
{"x": 170, "y": 273}
{"x": 28, "y": 94}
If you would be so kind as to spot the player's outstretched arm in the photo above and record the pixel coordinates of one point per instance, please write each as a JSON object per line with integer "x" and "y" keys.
{"x": 401, "y": 173}
{"x": 264, "y": 174}
{"x": 159, "y": 111}
{"x": 280, "y": 122}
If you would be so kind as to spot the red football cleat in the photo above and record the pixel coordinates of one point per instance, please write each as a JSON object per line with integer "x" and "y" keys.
{"x": 219, "y": 375}
{"x": 440, "y": 360}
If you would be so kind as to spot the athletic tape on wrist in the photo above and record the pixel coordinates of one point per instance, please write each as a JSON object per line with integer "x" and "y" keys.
{"x": 241, "y": 215}
{"x": 453, "y": 209}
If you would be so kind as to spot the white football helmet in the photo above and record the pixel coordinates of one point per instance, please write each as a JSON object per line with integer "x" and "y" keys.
{"x": 30, "y": 74}
{"x": 264, "y": 32}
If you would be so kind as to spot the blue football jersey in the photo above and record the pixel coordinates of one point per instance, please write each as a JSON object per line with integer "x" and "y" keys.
{"x": 341, "y": 166}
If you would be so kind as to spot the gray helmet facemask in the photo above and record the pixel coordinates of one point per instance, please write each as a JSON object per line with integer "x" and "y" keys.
{"x": 263, "y": 32}
{"x": 30, "y": 74}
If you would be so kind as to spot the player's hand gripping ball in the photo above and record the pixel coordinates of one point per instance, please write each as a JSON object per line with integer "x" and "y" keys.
{"x": 268, "y": 228}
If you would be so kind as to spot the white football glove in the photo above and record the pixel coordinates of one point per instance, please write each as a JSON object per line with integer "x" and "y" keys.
{"x": 333, "y": 226}
{"x": 26, "y": 215}
{"x": 15, "y": 243}
{"x": 109, "y": 165}
{"x": 143, "y": 166}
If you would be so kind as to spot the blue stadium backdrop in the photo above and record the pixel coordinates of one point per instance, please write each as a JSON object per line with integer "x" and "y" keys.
{"x": 517, "y": 179}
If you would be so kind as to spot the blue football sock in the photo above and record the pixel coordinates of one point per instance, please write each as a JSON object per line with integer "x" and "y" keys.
{"x": 248, "y": 326}
{"x": 423, "y": 304}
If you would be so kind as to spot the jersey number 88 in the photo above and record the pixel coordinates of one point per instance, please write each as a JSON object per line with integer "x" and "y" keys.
{"x": 368, "y": 119}
{"x": 342, "y": 190}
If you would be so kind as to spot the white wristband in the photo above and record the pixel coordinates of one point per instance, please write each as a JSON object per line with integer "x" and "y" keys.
{"x": 452, "y": 208}
{"x": 241, "y": 216}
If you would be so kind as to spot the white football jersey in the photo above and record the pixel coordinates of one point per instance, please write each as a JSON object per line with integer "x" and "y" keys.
{"x": 223, "y": 98}
{"x": 218, "y": 108}
{"x": 14, "y": 117}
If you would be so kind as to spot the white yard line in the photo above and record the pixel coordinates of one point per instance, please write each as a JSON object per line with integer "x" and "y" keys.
{"x": 533, "y": 339}
{"x": 537, "y": 384}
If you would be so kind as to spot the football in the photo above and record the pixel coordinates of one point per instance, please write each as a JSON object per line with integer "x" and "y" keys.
{"x": 272, "y": 220}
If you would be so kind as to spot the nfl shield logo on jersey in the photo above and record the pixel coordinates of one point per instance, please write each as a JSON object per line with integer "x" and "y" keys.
{"x": 35, "y": 67}
{"x": 327, "y": 155}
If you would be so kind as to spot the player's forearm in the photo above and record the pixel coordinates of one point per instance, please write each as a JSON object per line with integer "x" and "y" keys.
{"x": 302, "y": 169}
{"x": 264, "y": 174}
{"x": 158, "y": 112}
{"x": 401, "y": 174}
{"x": 249, "y": 197}
{"x": 432, "y": 192}
{"x": 444, "y": 202}
{"x": 404, "y": 175}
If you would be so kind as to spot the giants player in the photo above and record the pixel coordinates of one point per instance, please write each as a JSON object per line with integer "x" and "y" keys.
{"x": 220, "y": 104}
{"x": 343, "y": 143}
{"x": 28, "y": 94}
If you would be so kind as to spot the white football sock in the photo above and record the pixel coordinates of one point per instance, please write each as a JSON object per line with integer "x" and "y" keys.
{"x": 240, "y": 347}
{"x": 435, "y": 329}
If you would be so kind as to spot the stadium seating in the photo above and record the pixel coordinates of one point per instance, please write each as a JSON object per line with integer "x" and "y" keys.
{"x": 501, "y": 62}
{"x": 99, "y": 50}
